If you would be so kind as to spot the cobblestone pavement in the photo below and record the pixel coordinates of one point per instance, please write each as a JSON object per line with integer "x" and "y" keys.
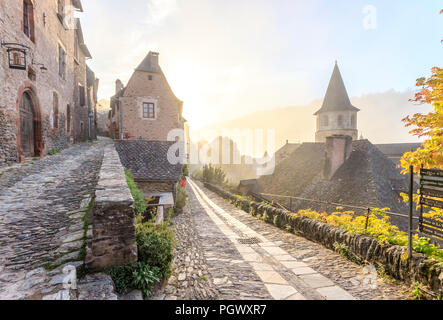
{"x": 190, "y": 279}
{"x": 249, "y": 259}
{"x": 43, "y": 204}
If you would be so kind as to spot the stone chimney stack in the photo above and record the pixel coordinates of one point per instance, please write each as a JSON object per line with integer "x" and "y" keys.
{"x": 118, "y": 86}
{"x": 338, "y": 150}
{"x": 154, "y": 59}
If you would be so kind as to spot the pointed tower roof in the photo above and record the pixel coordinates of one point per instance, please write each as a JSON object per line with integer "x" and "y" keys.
{"x": 150, "y": 63}
{"x": 336, "y": 98}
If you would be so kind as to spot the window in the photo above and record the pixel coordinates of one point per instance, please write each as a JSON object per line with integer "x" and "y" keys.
{"x": 340, "y": 120}
{"x": 61, "y": 62}
{"x": 150, "y": 77}
{"x": 76, "y": 46}
{"x": 324, "y": 121}
{"x": 353, "y": 121}
{"x": 61, "y": 10}
{"x": 81, "y": 95}
{"x": 148, "y": 110}
{"x": 28, "y": 20}
{"x": 55, "y": 110}
{"x": 68, "y": 118}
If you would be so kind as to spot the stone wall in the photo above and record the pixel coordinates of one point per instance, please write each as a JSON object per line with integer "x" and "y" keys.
{"x": 367, "y": 249}
{"x": 8, "y": 144}
{"x": 113, "y": 232}
{"x": 156, "y": 187}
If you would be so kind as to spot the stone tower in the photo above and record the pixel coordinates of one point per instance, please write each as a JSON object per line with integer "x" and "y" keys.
{"x": 337, "y": 115}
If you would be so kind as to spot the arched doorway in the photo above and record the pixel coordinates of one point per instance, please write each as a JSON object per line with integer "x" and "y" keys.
{"x": 30, "y": 126}
{"x": 27, "y": 126}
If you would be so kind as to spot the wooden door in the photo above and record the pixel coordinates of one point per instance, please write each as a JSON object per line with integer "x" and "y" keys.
{"x": 27, "y": 132}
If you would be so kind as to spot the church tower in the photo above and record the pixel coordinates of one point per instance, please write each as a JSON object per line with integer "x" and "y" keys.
{"x": 337, "y": 115}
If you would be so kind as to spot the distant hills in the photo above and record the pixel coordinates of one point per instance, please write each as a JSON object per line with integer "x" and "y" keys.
{"x": 380, "y": 119}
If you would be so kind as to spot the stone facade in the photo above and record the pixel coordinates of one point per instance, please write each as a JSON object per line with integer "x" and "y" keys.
{"x": 113, "y": 232}
{"x": 44, "y": 34}
{"x": 148, "y": 85}
{"x": 343, "y": 127}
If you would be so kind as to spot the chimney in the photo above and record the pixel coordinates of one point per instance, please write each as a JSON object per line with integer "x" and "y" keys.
{"x": 154, "y": 60}
{"x": 118, "y": 86}
{"x": 338, "y": 150}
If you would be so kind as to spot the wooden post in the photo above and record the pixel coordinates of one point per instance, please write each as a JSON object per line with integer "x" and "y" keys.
{"x": 411, "y": 203}
{"x": 367, "y": 219}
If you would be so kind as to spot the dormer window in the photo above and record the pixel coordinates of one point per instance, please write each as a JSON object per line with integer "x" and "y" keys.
{"x": 148, "y": 110}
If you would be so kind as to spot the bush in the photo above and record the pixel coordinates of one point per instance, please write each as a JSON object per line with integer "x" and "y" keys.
{"x": 197, "y": 175}
{"x": 54, "y": 151}
{"x": 155, "y": 245}
{"x": 144, "y": 278}
{"x": 122, "y": 277}
{"x": 185, "y": 170}
{"x": 181, "y": 199}
{"x": 214, "y": 175}
{"x": 134, "y": 276}
{"x": 277, "y": 221}
{"x": 137, "y": 194}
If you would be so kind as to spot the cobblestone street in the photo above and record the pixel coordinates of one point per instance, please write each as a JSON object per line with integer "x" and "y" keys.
{"x": 42, "y": 209}
{"x": 245, "y": 258}
{"x": 221, "y": 252}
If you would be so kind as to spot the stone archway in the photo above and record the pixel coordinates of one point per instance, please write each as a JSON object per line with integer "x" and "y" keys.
{"x": 29, "y": 124}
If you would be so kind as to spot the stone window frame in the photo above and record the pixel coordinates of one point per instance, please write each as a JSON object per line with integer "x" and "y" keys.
{"x": 146, "y": 114}
{"x": 62, "y": 61}
{"x": 28, "y": 20}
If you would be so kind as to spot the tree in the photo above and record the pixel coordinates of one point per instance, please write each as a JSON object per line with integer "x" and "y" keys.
{"x": 430, "y": 153}
{"x": 430, "y": 125}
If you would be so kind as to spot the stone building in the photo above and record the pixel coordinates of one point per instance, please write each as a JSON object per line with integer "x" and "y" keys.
{"x": 141, "y": 116}
{"x": 146, "y": 108}
{"x": 42, "y": 76}
{"x": 337, "y": 115}
{"x": 102, "y": 107}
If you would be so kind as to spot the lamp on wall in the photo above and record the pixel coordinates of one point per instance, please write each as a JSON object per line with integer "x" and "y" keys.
{"x": 43, "y": 69}
{"x": 16, "y": 55}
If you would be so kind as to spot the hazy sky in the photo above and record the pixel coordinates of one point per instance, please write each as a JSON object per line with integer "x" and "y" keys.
{"x": 227, "y": 58}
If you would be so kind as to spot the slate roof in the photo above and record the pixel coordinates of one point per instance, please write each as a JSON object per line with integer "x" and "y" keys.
{"x": 397, "y": 149}
{"x": 367, "y": 178}
{"x": 336, "y": 98}
{"x": 285, "y": 151}
{"x": 150, "y": 63}
{"x": 147, "y": 160}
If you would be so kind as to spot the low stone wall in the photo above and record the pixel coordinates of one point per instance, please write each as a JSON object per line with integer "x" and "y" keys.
{"x": 113, "y": 232}
{"x": 367, "y": 249}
